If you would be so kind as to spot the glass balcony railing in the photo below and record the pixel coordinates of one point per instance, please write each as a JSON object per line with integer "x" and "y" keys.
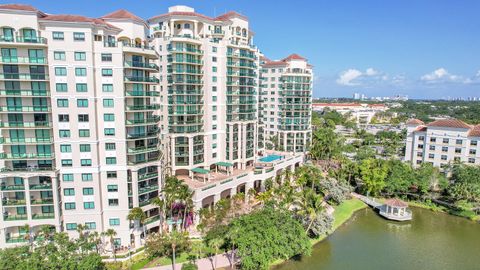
{"x": 141, "y": 65}
{"x": 40, "y": 186}
{"x": 24, "y": 39}
{"x": 39, "y": 140}
{"x": 24, "y": 76}
{"x": 38, "y": 124}
{"x": 139, "y": 150}
{"x": 25, "y": 109}
{"x": 23, "y": 60}
{"x": 26, "y": 169}
{"x": 43, "y": 216}
{"x": 12, "y": 187}
{"x": 147, "y": 176}
{"x": 142, "y": 93}
{"x": 15, "y": 217}
{"x": 143, "y": 107}
{"x": 147, "y": 189}
{"x": 185, "y": 49}
{"x": 13, "y": 202}
{"x": 141, "y": 79}
{"x": 151, "y": 120}
{"x": 27, "y": 156}
{"x": 25, "y": 92}
{"x": 42, "y": 201}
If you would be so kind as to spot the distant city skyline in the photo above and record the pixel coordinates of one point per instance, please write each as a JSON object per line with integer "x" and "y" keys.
{"x": 423, "y": 49}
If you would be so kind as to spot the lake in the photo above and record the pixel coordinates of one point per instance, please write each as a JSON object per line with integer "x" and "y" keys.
{"x": 435, "y": 241}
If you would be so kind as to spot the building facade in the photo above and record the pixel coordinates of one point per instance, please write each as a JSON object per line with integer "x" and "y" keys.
{"x": 94, "y": 112}
{"x": 442, "y": 142}
{"x": 286, "y": 96}
{"x": 361, "y": 113}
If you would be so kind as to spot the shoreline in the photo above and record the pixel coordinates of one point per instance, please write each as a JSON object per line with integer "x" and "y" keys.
{"x": 343, "y": 213}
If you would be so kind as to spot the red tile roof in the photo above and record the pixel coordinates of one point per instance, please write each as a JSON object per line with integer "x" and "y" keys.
{"x": 396, "y": 203}
{"x": 475, "y": 132}
{"x": 123, "y": 14}
{"x": 224, "y": 17}
{"x": 77, "y": 18}
{"x": 228, "y": 15}
{"x": 415, "y": 122}
{"x": 284, "y": 61}
{"x": 18, "y": 7}
{"x": 451, "y": 123}
{"x": 421, "y": 128}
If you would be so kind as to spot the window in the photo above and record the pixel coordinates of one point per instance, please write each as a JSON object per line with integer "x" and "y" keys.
{"x": 114, "y": 222}
{"x": 432, "y": 147}
{"x": 85, "y": 162}
{"x": 83, "y": 118}
{"x": 65, "y": 148}
{"x": 67, "y": 177}
{"x": 112, "y": 188}
{"x": 80, "y": 56}
{"x": 431, "y": 156}
{"x": 60, "y": 71}
{"x": 214, "y": 59}
{"x": 109, "y": 132}
{"x": 81, "y": 72}
{"x": 214, "y": 78}
{"x": 473, "y": 142}
{"x": 445, "y": 140}
{"x": 82, "y": 103}
{"x": 112, "y": 202}
{"x": 214, "y": 136}
{"x": 214, "y": 89}
{"x": 59, "y": 56}
{"x": 71, "y": 226}
{"x": 89, "y": 205}
{"x": 214, "y": 98}
{"x": 444, "y": 149}
{"x": 69, "y": 192}
{"x": 214, "y": 108}
{"x": 87, "y": 177}
{"x": 214, "y": 69}
{"x": 459, "y": 141}
{"x": 70, "y": 206}
{"x": 214, "y": 49}
{"x": 106, "y": 57}
{"x": 85, "y": 148}
{"x": 471, "y": 160}
{"x": 78, "y": 36}
{"x": 64, "y": 133}
{"x": 61, "y": 87}
{"x": 214, "y": 117}
{"x": 62, "y": 103}
{"x": 107, "y": 72}
{"x": 111, "y": 160}
{"x": 458, "y": 150}
{"x": 90, "y": 225}
{"x": 107, "y": 87}
{"x": 214, "y": 145}
{"x": 108, "y": 117}
{"x": 108, "y": 103}
{"x": 214, "y": 127}
{"x": 81, "y": 87}
{"x": 109, "y": 146}
{"x": 433, "y": 139}
{"x": 420, "y": 138}
{"x": 111, "y": 174}
{"x": 88, "y": 191}
{"x": 444, "y": 157}
{"x": 57, "y": 35}
{"x": 472, "y": 151}
{"x": 66, "y": 163}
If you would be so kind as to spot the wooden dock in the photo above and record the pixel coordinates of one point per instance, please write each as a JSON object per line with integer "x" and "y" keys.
{"x": 393, "y": 212}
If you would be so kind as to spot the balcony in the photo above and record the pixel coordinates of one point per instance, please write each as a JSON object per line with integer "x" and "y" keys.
{"x": 152, "y": 219}
{"x": 147, "y": 189}
{"x": 140, "y": 150}
{"x": 42, "y": 201}
{"x": 145, "y": 121}
{"x": 25, "y": 109}
{"x": 43, "y": 216}
{"x": 143, "y": 107}
{"x": 191, "y": 112}
{"x": 25, "y": 40}
{"x": 144, "y": 135}
{"x": 141, "y": 161}
{"x": 23, "y": 60}
{"x": 141, "y": 65}
{"x": 139, "y": 48}
{"x": 147, "y": 176}
{"x": 24, "y": 76}
{"x": 170, "y": 81}
{"x": 26, "y": 169}
{"x": 12, "y": 187}
{"x": 39, "y": 124}
{"x": 185, "y": 61}
{"x": 35, "y": 156}
{"x": 8, "y": 217}
{"x": 13, "y": 202}
{"x": 41, "y": 186}
{"x": 184, "y": 50}
{"x": 142, "y": 93}
{"x": 16, "y": 239}
{"x": 26, "y": 140}
{"x": 25, "y": 92}
{"x": 141, "y": 79}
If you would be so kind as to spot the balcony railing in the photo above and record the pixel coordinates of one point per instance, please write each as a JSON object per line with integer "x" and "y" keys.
{"x": 15, "y": 217}
{"x": 12, "y": 187}
{"x": 27, "y": 156}
{"x": 37, "y": 124}
{"x": 23, "y": 60}
{"x": 43, "y": 216}
{"x": 143, "y": 107}
{"x": 23, "y": 39}
{"x": 151, "y": 120}
{"x": 26, "y": 140}
{"x": 25, "y": 92}
{"x": 10, "y": 202}
{"x": 25, "y": 109}
{"x": 26, "y": 169}
{"x": 24, "y": 76}
{"x": 40, "y": 186}
{"x": 139, "y": 150}
{"x": 141, "y": 65}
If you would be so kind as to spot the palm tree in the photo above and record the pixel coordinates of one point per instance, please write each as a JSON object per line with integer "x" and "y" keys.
{"x": 232, "y": 235}
{"x": 111, "y": 233}
{"x": 188, "y": 204}
{"x": 215, "y": 244}
{"x": 80, "y": 229}
{"x": 138, "y": 216}
{"x": 94, "y": 238}
{"x": 160, "y": 203}
{"x": 175, "y": 240}
{"x": 308, "y": 205}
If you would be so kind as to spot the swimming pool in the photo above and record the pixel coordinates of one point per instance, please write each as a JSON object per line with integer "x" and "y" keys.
{"x": 270, "y": 158}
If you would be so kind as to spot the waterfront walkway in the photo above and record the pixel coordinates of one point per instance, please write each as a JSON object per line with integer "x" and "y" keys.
{"x": 222, "y": 261}
{"x": 369, "y": 201}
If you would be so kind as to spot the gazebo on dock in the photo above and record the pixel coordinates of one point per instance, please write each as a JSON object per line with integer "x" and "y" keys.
{"x": 396, "y": 209}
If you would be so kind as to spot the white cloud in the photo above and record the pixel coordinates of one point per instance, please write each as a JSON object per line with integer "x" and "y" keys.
{"x": 371, "y": 72}
{"x": 347, "y": 77}
{"x": 441, "y": 75}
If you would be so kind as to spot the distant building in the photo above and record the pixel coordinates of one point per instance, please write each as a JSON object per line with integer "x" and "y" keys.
{"x": 362, "y": 113}
{"x": 356, "y": 96}
{"x": 441, "y": 142}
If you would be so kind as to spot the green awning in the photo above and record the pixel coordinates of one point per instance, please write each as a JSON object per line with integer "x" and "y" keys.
{"x": 200, "y": 170}
{"x": 225, "y": 164}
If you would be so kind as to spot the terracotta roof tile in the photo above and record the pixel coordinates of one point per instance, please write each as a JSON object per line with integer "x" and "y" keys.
{"x": 396, "y": 203}
{"x": 452, "y": 123}
{"x": 294, "y": 57}
{"x": 181, "y": 13}
{"x": 228, "y": 15}
{"x": 284, "y": 61}
{"x": 77, "y": 18}
{"x": 415, "y": 122}
{"x": 475, "y": 132}
{"x": 18, "y": 7}
{"x": 123, "y": 14}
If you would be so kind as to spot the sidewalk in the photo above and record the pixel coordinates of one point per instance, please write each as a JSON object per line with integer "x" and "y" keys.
{"x": 222, "y": 260}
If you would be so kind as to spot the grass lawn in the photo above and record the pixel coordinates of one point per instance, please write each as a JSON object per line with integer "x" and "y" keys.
{"x": 345, "y": 210}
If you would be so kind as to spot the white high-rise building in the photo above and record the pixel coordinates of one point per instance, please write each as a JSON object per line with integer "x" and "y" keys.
{"x": 94, "y": 112}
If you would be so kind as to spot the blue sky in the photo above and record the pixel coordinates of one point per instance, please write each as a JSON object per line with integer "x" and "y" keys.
{"x": 421, "y": 48}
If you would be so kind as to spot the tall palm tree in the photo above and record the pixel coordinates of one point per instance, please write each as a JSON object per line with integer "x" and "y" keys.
{"x": 308, "y": 205}
{"x": 188, "y": 204}
{"x": 175, "y": 239}
{"x": 160, "y": 203}
{"x": 138, "y": 216}
{"x": 111, "y": 233}
{"x": 232, "y": 235}
{"x": 215, "y": 244}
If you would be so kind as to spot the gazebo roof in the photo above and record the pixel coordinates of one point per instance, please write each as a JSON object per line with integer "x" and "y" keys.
{"x": 396, "y": 203}
{"x": 225, "y": 164}
{"x": 200, "y": 170}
